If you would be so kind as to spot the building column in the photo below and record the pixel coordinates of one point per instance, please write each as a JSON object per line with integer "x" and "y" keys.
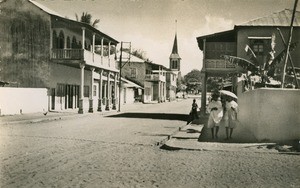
{"x": 115, "y": 93}
{"x": 102, "y": 42}
{"x": 93, "y": 46}
{"x": 80, "y": 111}
{"x": 105, "y": 96}
{"x": 109, "y": 46}
{"x": 100, "y": 91}
{"x": 91, "y": 91}
{"x": 83, "y": 38}
{"x": 159, "y": 88}
{"x": 107, "y": 91}
{"x": 203, "y": 94}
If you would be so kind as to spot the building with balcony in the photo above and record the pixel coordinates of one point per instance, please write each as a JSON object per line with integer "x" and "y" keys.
{"x": 150, "y": 76}
{"x": 257, "y": 34}
{"x": 73, "y": 60}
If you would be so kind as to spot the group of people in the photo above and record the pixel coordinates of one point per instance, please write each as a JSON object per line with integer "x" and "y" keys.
{"x": 222, "y": 111}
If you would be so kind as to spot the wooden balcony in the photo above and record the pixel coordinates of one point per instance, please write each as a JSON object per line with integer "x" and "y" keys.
{"x": 218, "y": 64}
{"x": 155, "y": 77}
{"x": 91, "y": 59}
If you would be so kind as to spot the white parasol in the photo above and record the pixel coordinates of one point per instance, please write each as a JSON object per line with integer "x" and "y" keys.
{"x": 228, "y": 93}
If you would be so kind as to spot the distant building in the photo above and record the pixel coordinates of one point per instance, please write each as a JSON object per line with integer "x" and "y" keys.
{"x": 150, "y": 76}
{"x": 257, "y": 34}
{"x": 41, "y": 49}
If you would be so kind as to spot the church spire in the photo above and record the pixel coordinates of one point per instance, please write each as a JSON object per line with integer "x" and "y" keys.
{"x": 174, "y": 57}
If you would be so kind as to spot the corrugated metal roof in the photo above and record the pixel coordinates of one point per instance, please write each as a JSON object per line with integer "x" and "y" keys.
{"x": 282, "y": 18}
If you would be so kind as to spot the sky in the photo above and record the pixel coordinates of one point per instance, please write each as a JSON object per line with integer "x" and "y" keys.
{"x": 150, "y": 25}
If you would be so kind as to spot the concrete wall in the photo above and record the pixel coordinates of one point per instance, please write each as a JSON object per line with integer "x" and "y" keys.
{"x": 22, "y": 100}
{"x": 271, "y": 114}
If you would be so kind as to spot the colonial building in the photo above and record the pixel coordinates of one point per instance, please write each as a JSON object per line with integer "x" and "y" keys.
{"x": 41, "y": 49}
{"x": 256, "y": 34}
{"x": 151, "y": 76}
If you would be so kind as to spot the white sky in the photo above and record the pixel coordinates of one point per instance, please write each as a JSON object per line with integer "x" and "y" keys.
{"x": 150, "y": 24}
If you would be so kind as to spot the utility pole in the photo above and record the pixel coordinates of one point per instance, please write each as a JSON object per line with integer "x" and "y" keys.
{"x": 127, "y": 58}
{"x": 289, "y": 44}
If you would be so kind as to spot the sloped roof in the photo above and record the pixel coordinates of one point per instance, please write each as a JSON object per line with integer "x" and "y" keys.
{"x": 61, "y": 18}
{"x": 174, "y": 54}
{"x": 45, "y": 9}
{"x": 125, "y": 56}
{"x": 282, "y": 18}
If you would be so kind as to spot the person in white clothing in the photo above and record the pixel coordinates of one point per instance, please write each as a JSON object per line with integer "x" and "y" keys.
{"x": 230, "y": 116}
{"x": 216, "y": 113}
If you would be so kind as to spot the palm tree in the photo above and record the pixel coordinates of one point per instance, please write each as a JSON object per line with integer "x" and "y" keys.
{"x": 87, "y": 18}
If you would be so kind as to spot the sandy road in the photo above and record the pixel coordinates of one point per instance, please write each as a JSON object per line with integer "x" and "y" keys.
{"x": 97, "y": 151}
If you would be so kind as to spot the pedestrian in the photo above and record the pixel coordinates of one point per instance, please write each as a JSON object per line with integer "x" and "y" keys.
{"x": 216, "y": 113}
{"x": 230, "y": 116}
{"x": 194, "y": 112}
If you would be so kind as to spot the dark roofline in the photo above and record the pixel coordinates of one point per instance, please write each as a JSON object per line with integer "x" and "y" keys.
{"x": 82, "y": 24}
{"x": 224, "y": 36}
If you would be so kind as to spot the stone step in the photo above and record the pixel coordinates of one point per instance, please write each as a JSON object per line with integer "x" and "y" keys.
{"x": 192, "y": 128}
{"x": 186, "y": 135}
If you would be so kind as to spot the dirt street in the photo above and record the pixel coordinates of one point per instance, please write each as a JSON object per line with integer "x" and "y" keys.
{"x": 121, "y": 151}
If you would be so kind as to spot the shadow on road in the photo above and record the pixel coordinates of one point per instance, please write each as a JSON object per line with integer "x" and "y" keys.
{"x": 179, "y": 117}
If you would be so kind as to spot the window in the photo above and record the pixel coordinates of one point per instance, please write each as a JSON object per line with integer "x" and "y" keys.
{"x": 174, "y": 64}
{"x": 86, "y": 91}
{"x": 133, "y": 72}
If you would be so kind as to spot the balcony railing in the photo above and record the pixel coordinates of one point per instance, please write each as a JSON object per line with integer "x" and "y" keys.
{"x": 72, "y": 54}
{"x": 218, "y": 64}
{"x": 90, "y": 58}
{"x": 155, "y": 77}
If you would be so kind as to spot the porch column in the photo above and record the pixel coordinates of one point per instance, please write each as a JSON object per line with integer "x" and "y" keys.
{"x": 80, "y": 111}
{"x": 100, "y": 91}
{"x": 204, "y": 80}
{"x": 105, "y": 96}
{"x": 91, "y": 91}
{"x": 159, "y": 92}
{"x": 109, "y": 46}
{"x": 83, "y": 37}
{"x": 115, "y": 92}
{"x": 93, "y": 47}
{"x": 102, "y": 41}
{"x": 107, "y": 91}
{"x": 203, "y": 94}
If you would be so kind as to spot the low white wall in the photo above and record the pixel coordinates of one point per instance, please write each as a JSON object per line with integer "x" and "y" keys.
{"x": 22, "y": 100}
{"x": 271, "y": 114}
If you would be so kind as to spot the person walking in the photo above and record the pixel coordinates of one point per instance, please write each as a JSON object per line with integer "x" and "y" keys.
{"x": 194, "y": 112}
{"x": 216, "y": 113}
{"x": 230, "y": 116}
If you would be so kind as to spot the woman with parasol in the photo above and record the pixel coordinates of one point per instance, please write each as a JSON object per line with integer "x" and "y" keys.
{"x": 230, "y": 112}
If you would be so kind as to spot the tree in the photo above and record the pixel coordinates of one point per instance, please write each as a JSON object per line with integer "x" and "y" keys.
{"x": 193, "y": 76}
{"x": 87, "y": 18}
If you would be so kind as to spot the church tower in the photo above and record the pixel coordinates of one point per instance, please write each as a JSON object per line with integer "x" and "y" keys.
{"x": 174, "y": 57}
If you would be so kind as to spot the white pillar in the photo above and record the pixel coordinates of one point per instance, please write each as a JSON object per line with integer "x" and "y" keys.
{"x": 91, "y": 91}
{"x": 80, "y": 111}
{"x": 93, "y": 46}
{"x": 102, "y": 41}
{"x": 108, "y": 91}
{"x": 115, "y": 92}
{"x": 109, "y": 53}
{"x": 100, "y": 91}
{"x": 83, "y": 37}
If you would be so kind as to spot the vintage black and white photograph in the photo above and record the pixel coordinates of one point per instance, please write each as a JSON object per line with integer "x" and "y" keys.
{"x": 149, "y": 93}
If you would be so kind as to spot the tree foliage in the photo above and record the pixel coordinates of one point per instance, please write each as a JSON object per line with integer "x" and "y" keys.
{"x": 193, "y": 76}
{"x": 87, "y": 18}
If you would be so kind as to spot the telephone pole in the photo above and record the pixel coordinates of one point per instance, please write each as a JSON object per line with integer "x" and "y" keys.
{"x": 126, "y": 47}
